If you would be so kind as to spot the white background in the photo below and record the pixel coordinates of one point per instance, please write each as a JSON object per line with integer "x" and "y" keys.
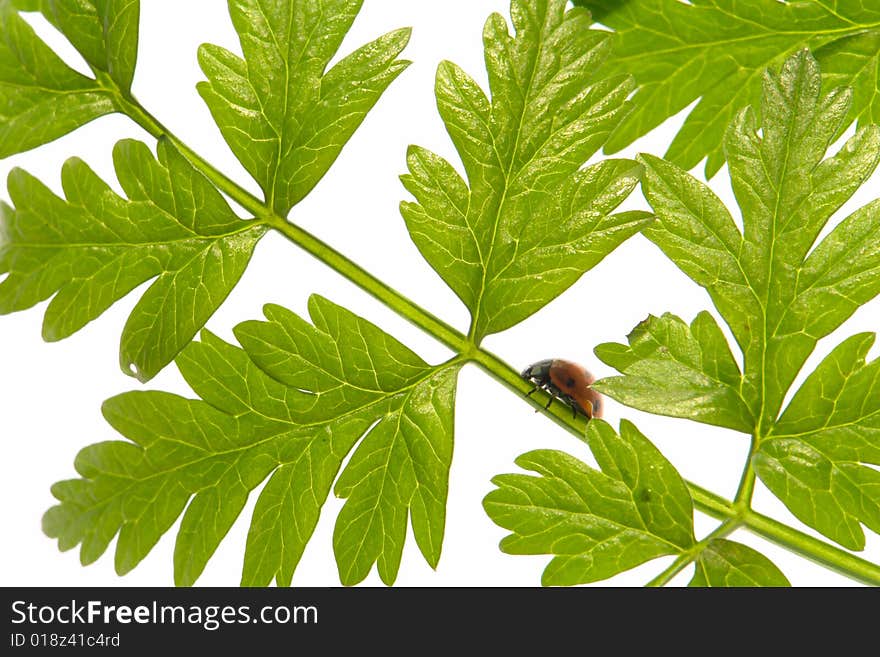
{"x": 51, "y": 393}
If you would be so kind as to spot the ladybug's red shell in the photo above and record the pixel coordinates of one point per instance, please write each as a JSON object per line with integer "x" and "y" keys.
{"x": 568, "y": 382}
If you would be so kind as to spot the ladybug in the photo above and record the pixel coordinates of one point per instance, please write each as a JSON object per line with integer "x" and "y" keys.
{"x": 568, "y": 382}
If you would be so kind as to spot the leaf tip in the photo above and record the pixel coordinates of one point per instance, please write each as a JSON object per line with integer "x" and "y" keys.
{"x": 272, "y": 311}
{"x": 204, "y": 54}
{"x": 122, "y": 565}
{"x": 48, "y": 523}
{"x": 647, "y": 161}
{"x": 15, "y": 178}
{"x": 127, "y": 149}
{"x": 401, "y": 36}
{"x": 628, "y": 428}
{"x": 183, "y": 577}
{"x": 130, "y": 367}
{"x": 50, "y": 331}
{"x": 319, "y": 305}
{"x": 495, "y": 27}
{"x": 548, "y": 578}
{"x": 110, "y": 407}
{"x": 413, "y": 152}
{"x": 445, "y": 70}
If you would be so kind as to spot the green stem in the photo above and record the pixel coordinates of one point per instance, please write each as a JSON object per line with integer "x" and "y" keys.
{"x": 510, "y": 379}
{"x": 829, "y": 556}
{"x": 369, "y": 283}
{"x": 705, "y": 501}
{"x": 746, "y": 487}
{"x": 710, "y": 503}
{"x": 136, "y": 112}
{"x": 305, "y": 240}
{"x": 813, "y": 549}
{"x": 692, "y": 555}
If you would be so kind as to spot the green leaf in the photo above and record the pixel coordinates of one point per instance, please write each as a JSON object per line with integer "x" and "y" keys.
{"x": 282, "y": 112}
{"x": 41, "y": 97}
{"x": 780, "y": 292}
{"x": 854, "y": 61}
{"x": 787, "y": 194}
{"x": 716, "y": 51}
{"x": 105, "y": 32}
{"x": 403, "y": 464}
{"x": 725, "y": 563}
{"x": 679, "y": 370}
{"x": 528, "y": 222}
{"x": 289, "y": 407}
{"x": 818, "y": 458}
{"x": 93, "y": 248}
{"x": 596, "y": 524}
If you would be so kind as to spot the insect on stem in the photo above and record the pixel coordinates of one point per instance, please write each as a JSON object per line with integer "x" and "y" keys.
{"x": 566, "y": 381}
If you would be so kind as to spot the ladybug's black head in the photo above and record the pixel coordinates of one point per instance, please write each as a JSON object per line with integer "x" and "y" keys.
{"x": 539, "y": 371}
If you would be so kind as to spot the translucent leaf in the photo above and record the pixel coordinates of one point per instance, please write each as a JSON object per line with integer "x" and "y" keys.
{"x": 528, "y": 222}
{"x": 289, "y": 407}
{"x": 716, "y": 51}
{"x": 596, "y": 524}
{"x": 41, "y": 97}
{"x": 282, "y": 112}
{"x": 725, "y": 563}
{"x": 91, "y": 249}
{"x": 780, "y": 289}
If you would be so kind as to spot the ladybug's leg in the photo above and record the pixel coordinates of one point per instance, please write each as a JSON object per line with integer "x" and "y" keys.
{"x": 549, "y": 401}
{"x": 529, "y": 393}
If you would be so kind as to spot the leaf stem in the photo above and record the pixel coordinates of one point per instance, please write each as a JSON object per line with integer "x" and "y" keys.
{"x": 746, "y": 487}
{"x": 818, "y": 551}
{"x": 705, "y": 501}
{"x": 400, "y": 304}
{"x": 510, "y": 379}
{"x": 710, "y": 503}
{"x": 135, "y": 111}
{"x": 446, "y": 334}
{"x": 688, "y": 557}
{"x": 813, "y": 549}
